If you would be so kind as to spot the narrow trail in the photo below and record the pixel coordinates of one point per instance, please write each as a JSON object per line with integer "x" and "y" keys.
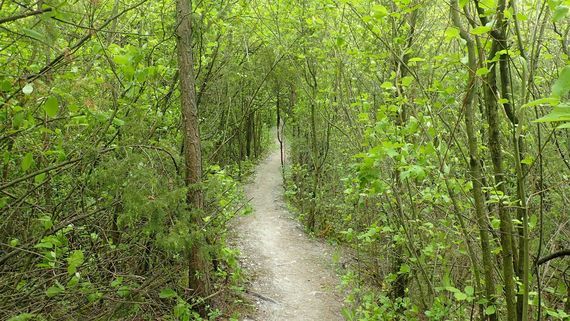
{"x": 292, "y": 276}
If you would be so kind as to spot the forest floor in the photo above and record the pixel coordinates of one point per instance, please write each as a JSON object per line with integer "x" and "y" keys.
{"x": 291, "y": 275}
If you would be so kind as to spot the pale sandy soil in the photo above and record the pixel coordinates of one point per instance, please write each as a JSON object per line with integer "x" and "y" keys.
{"x": 291, "y": 275}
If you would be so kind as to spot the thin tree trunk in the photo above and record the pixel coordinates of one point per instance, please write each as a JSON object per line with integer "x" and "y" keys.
{"x": 474, "y": 161}
{"x": 492, "y": 96}
{"x": 198, "y": 273}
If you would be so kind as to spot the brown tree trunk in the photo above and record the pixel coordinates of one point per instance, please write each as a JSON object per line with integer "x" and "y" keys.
{"x": 198, "y": 273}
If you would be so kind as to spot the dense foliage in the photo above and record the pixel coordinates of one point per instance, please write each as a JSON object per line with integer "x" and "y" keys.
{"x": 94, "y": 219}
{"x": 429, "y": 137}
{"x": 432, "y": 138}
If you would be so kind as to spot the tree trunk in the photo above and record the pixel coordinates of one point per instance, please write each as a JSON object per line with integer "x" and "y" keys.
{"x": 474, "y": 160}
{"x": 198, "y": 273}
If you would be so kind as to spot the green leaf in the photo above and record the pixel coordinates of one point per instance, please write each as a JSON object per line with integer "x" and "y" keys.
{"x": 94, "y": 296}
{"x": 543, "y": 101}
{"x": 480, "y": 30}
{"x": 167, "y": 293}
{"x": 379, "y": 11}
{"x": 522, "y": 17}
{"x": 44, "y": 245}
{"x": 387, "y": 85}
{"x": 74, "y": 280}
{"x": 5, "y": 85}
{"x": 46, "y": 221}
{"x": 27, "y": 161}
{"x": 560, "y": 13}
{"x": 503, "y": 101}
{"x": 182, "y": 310}
{"x": 117, "y": 282}
{"x": 118, "y": 122}
{"x": 406, "y": 81}
{"x": 527, "y": 160}
{"x": 123, "y": 291}
{"x": 23, "y": 317}
{"x": 54, "y": 290}
{"x": 38, "y": 179}
{"x": 482, "y": 71}
{"x": 51, "y": 106}
{"x": 562, "y": 85}
{"x": 490, "y": 310}
{"x": 123, "y": 60}
{"x": 561, "y": 113}
{"x": 21, "y": 285}
{"x": 34, "y": 34}
{"x": 416, "y": 59}
{"x": 460, "y": 296}
{"x": 74, "y": 260}
{"x": 452, "y": 289}
{"x": 404, "y": 269}
{"x": 469, "y": 290}
{"x": 451, "y": 33}
{"x": 3, "y": 202}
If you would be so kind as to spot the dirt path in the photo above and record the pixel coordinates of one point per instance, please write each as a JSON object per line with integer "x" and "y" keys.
{"x": 292, "y": 277}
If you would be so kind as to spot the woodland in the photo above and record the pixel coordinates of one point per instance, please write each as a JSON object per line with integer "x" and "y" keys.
{"x": 428, "y": 139}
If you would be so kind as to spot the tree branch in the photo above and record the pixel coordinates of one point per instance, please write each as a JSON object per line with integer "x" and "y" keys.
{"x": 553, "y": 256}
{"x": 24, "y": 15}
